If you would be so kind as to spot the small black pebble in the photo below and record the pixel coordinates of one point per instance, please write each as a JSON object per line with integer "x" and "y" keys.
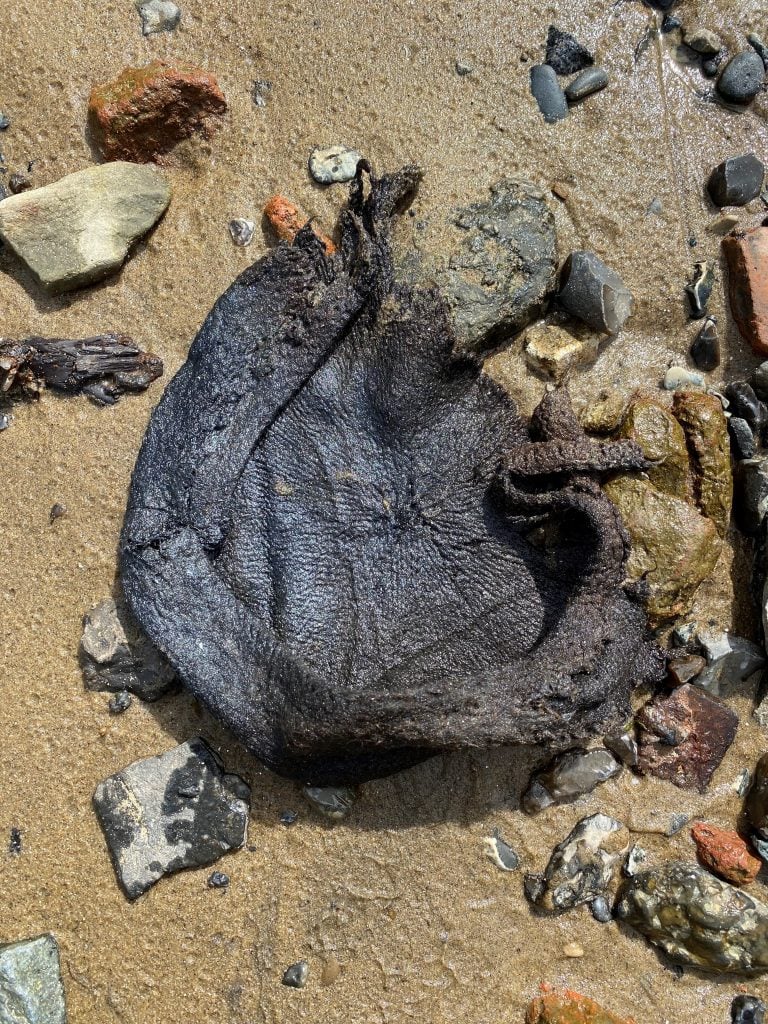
{"x": 670, "y": 23}
{"x": 5, "y": 121}
{"x": 709, "y": 67}
{"x": 747, "y": 1010}
{"x": 745, "y": 403}
{"x": 14, "y": 844}
{"x": 217, "y": 880}
{"x": 120, "y": 702}
{"x": 737, "y": 181}
{"x": 296, "y": 975}
{"x": 601, "y": 909}
{"x": 705, "y": 350}
{"x": 742, "y": 439}
{"x": 57, "y": 511}
{"x": 565, "y": 53}
{"x": 288, "y": 818}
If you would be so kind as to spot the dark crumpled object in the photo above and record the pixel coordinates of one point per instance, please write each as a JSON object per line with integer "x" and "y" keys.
{"x": 350, "y": 546}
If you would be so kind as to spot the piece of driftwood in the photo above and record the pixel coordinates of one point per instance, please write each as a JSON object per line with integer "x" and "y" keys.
{"x": 349, "y": 544}
{"x": 103, "y": 367}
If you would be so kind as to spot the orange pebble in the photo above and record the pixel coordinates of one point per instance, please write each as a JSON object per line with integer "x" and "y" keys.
{"x": 568, "y": 1007}
{"x": 725, "y": 853}
{"x": 286, "y": 220}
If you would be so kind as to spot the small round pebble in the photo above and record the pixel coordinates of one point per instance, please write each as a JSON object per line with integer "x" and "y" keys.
{"x": 670, "y": 23}
{"x": 217, "y": 880}
{"x": 333, "y": 164}
{"x": 590, "y": 80}
{"x": 463, "y": 69}
{"x": 241, "y": 231}
{"x": 19, "y": 183}
{"x": 601, "y": 910}
{"x": 5, "y": 121}
{"x": 742, "y": 78}
{"x": 120, "y": 702}
{"x": 710, "y": 68}
{"x": 678, "y": 377}
{"x": 573, "y": 950}
{"x": 296, "y": 975}
{"x": 747, "y": 1010}
{"x": 289, "y": 818}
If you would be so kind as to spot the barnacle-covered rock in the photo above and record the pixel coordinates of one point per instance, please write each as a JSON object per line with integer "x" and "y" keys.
{"x": 697, "y": 919}
{"x": 350, "y": 546}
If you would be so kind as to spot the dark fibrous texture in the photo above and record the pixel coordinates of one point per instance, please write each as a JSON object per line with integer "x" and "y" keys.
{"x": 349, "y": 544}
{"x": 103, "y": 367}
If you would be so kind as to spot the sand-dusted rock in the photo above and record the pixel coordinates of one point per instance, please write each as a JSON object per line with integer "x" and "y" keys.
{"x": 553, "y": 351}
{"x": 697, "y": 919}
{"x": 568, "y": 1007}
{"x": 674, "y": 547}
{"x": 569, "y": 776}
{"x": 725, "y": 852}
{"x": 79, "y": 229}
{"x": 158, "y": 16}
{"x": 747, "y": 256}
{"x": 31, "y": 991}
{"x": 683, "y": 737}
{"x": 177, "y": 810}
{"x": 706, "y": 431}
{"x": 662, "y": 439}
{"x": 605, "y": 414}
{"x": 146, "y": 111}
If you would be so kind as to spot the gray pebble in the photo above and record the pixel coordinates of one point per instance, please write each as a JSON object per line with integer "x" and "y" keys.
{"x": 120, "y": 702}
{"x": 624, "y": 746}
{"x": 241, "y": 231}
{"x": 759, "y": 47}
{"x": 567, "y": 777}
{"x": 548, "y": 94}
{"x": 5, "y": 121}
{"x": 742, "y": 78}
{"x": 590, "y": 80}
{"x": 760, "y": 381}
{"x": 333, "y": 164}
{"x": 705, "y": 350}
{"x": 288, "y": 818}
{"x": 31, "y": 991}
{"x": 593, "y": 293}
{"x": 334, "y": 802}
{"x": 297, "y": 974}
{"x": 15, "y": 842}
{"x": 217, "y": 880}
{"x": 741, "y": 659}
{"x": 750, "y": 494}
{"x": 710, "y": 68}
{"x": 260, "y": 90}
{"x": 463, "y": 69}
{"x": 747, "y": 1010}
{"x": 502, "y": 855}
{"x": 742, "y": 439}
{"x": 158, "y": 16}
{"x": 601, "y": 910}
{"x": 703, "y": 41}
{"x": 737, "y": 181}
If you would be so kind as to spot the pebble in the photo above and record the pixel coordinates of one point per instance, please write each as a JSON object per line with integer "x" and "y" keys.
{"x": 722, "y": 225}
{"x": 547, "y": 92}
{"x": 710, "y": 67}
{"x": 742, "y": 439}
{"x": 242, "y": 231}
{"x": 462, "y": 68}
{"x": 502, "y": 855}
{"x": 296, "y": 975}
{"x": 334, "y": 802}
{"x": 760, "y": 381}
{"x": 57, "y": 512}
{"x": 260, "y": 90}
{"x": 750, "y": 502}
{"x": 705, "y": 350}
{"x": 636, "y": 857}
{"x": 573, "y": 950}
{"x": 759, "y": 47}
{"x": 699, "y": 289}
{"x": 742, "y": 78}
{"x": 554, "y": 352}
{"x": 725, "y": 853}
{"x": 684, "y": 736}
{"x": 120, "y": 702}
{"x": 567, "y": 777}
{"x": 740, "y": 660}
{"x": 289, "y": 818}
{"x": 116, "y": 656}
{"x": 568, "y": 1007}
{"x": 706, "y": 433}
{"x": 623, "y": 745}
{"x": 31, "y": 990}
{"x": 15, "y": 842}
{"x": 670, "y": 23}
{"x": 747, "y": 1010}
{"x": 593, "y": 293}
{"x": 146, "y": 111}
{"x": 79, "y": 229}
{"x": 565, "y": 54}
{"x": 737, "y": 181}
{"x": 654, "y": 208}
{"x": 747, "y": 258}
{"x": 5, "y": 121}
{"x": 584, "y": 864}
{"x": 697, "y": 919}
{"x": 684, "y": 670}
{"x": 600, "y": 909}
{"x": 18, "y": 183}
{"x": 333, "y": 164}
{"x": 286, "y": 220}
{"x": 158, "y": 16}
{"x": 703, "y": 41}
{"x": 678, "y": 377}
{"x": 177, "y": 810}
{"x": 756, "y": 805}
{"x": 744, "y": 402}
{"x": 217, "y": 880}
{"x": 590, "y": 81}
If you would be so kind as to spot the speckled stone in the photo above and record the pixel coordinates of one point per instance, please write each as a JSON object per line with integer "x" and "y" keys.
{"x": 742, "y": 77}
{"x": 31, "y": 991}
{"x": 333, "y": 164}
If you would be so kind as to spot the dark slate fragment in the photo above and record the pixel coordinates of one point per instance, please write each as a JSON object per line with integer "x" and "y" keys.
{"x": 745, "y": 403}
{"x": 593, "y": 293}
{"x": 742, "y": 78}
{"x": 705, "y": 350}
{"x": 590, "y": 80}
{"x": 759, "y": 47}
{"x": 670, "y": 23}
{"x": 747, "y": 1010}
{"x": 328, "y": 527}
{"x": 750, "y": 494}
{"x": 737, "y": 181}
{"x": 547, "y": 92}
{"x": 742, "y": 439}
{"x": 565, "y": 54}
{"x": 699, "y": 289}
{"x": 684, "y": 737}
{"x": 296, "y": 975}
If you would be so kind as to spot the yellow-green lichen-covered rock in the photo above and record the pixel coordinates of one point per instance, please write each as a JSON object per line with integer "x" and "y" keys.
{"x": 662, "y": 440}
{"x": 703, "y": 421}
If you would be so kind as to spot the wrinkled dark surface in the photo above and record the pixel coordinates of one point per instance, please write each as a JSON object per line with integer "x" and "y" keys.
{"x": 350, "y": 546}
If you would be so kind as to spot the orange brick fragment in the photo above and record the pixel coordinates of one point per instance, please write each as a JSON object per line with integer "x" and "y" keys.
{"x": 725, "y": 853}
{"x": 568, "y": 1007}
{"x": 146, "y": 111}
{"x": 286, "y": 220}
{"x": 747, "y": 256}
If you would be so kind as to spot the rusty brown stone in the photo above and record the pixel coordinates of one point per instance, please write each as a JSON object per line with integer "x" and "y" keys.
{"x": 684, "y": 736}
{"x": 684, "y": 670}
{"x": 286, "y": 220}
{"x": 746, "y": 253}
{"x": 146, "y": 111}
{"x": 569, "y": 1007}
{"x": 725, "y": 852}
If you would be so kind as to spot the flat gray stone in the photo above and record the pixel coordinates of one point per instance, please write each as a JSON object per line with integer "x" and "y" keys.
{"x": 158, "y": 16}
{"x": 177, "y": 810}
{"x": 333, "y": 164}
{"x": 80, "y": 229}
{"x": 31, "y": 991}
{"x": 721, "y": 676}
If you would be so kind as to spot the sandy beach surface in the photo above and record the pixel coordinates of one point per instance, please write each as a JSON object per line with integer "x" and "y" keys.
{"x": 401, "y": 894}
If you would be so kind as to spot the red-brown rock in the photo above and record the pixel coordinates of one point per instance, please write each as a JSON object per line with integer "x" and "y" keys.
{"x": 683, "y": 670}
{"x": 146, "y": 111}
{"x": 747, "y": 256}
{"x": 684, "y": 737}
{"x": 568, "y": 1007}
{"x": 725, "y": 853}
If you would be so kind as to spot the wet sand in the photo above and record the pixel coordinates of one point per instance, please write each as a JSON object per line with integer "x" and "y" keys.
{"x": 425, "y": 927}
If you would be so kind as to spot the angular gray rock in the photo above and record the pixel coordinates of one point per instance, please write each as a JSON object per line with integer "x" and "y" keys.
{"x": 750, "y": 493}
{"x": 583, "y": 866}
{"x": 31, "y": 991}
{"x": 569, "y": 776}
{"x": 741, "y": 660}
{"x": 177, "y": 810}
{"x": 158, "y": 16}
{"x": 333, "y": 164}
{"x": 697, "y": 919}
{"x": 736, "y": 181}
{"x": 116, "y": 656}
{"x": 334, "y": 802}
{"x": 593, "y": 293}
{"x": 79, "y": 229}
